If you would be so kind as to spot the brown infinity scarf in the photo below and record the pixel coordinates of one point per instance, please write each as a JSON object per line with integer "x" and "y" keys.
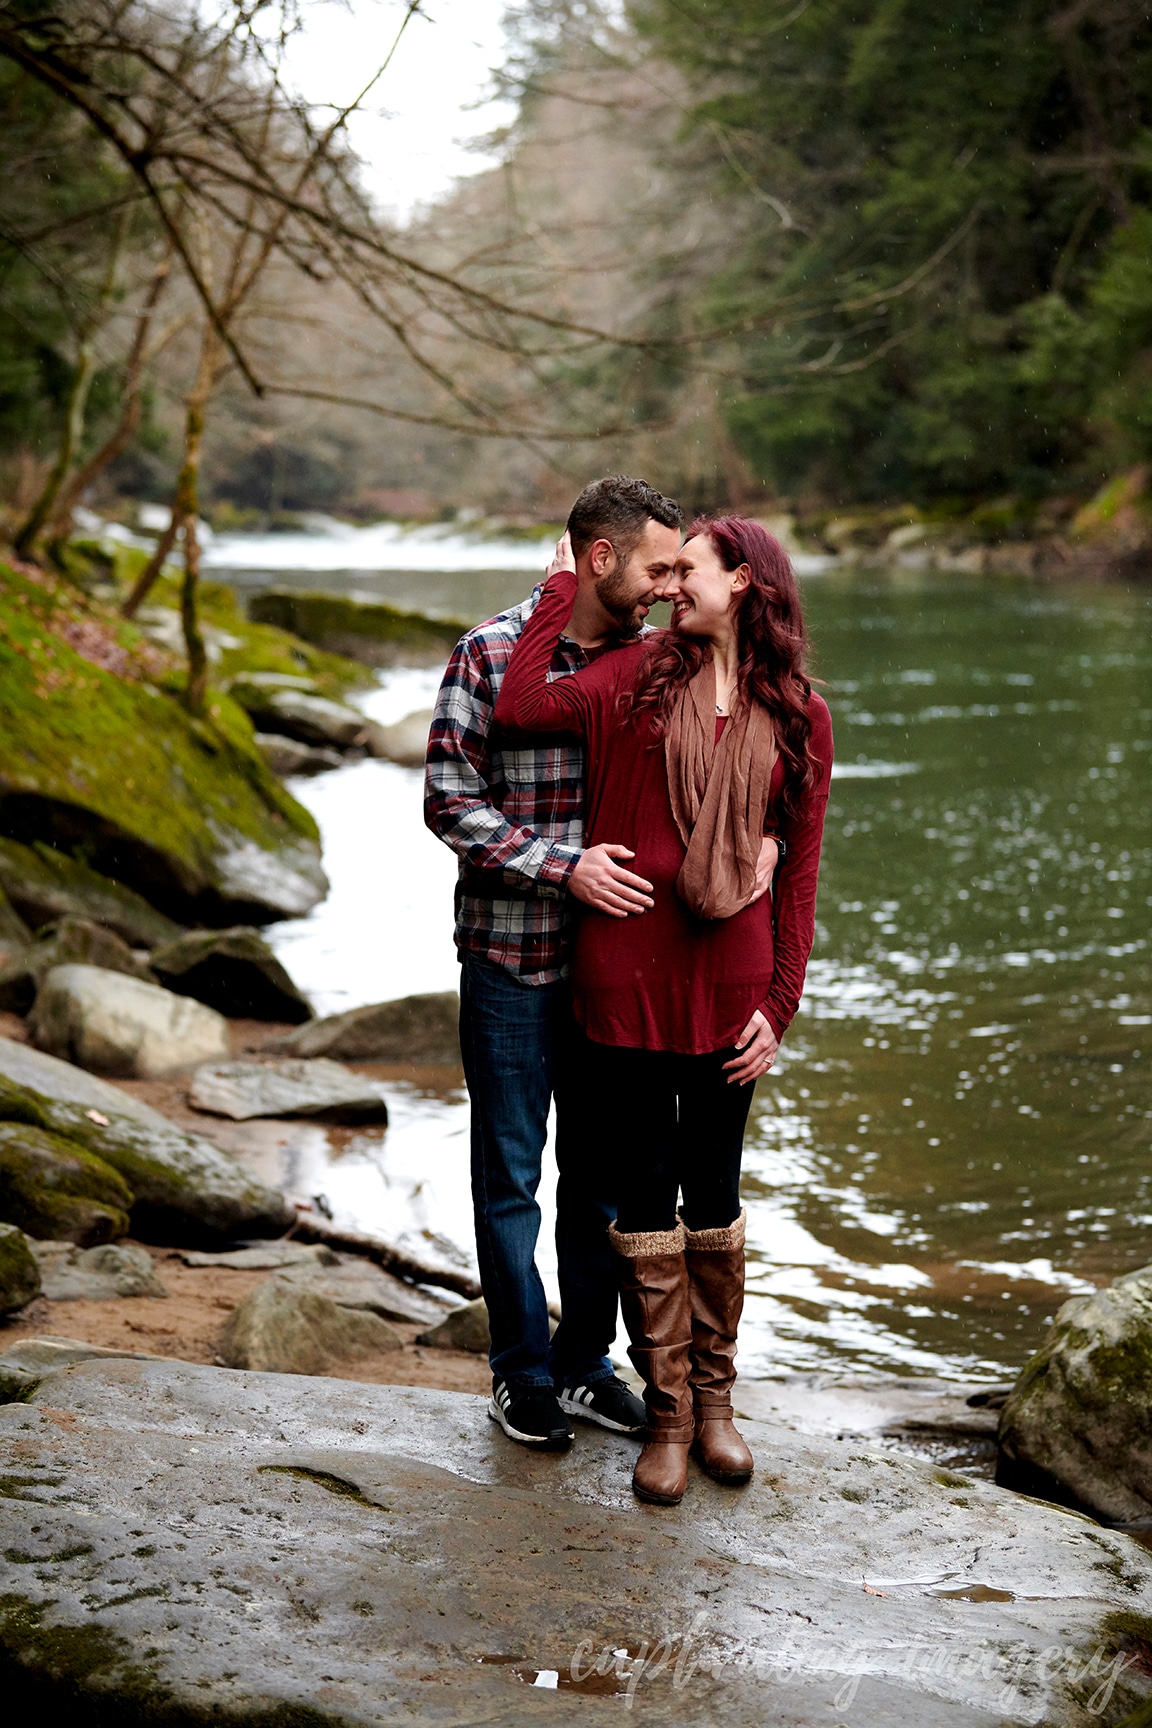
{"x": 719, "y": 795}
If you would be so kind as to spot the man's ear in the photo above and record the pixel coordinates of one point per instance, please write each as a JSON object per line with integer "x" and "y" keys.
{"x": 602, "y": 557}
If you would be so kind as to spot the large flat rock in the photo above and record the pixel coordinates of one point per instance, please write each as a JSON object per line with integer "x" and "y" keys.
{"x": 252, "y": 1547}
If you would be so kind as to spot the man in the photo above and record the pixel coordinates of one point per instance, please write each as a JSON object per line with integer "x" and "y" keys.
{"x": 513, "y": 813}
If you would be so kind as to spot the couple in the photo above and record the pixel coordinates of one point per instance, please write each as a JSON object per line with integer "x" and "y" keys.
{"x": 569, "y": 743}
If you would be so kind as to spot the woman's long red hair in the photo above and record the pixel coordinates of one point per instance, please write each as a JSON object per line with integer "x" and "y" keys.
{"x": 772, "y": 642}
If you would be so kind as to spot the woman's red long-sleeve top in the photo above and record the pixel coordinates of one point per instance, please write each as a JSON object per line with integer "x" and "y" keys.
{"x": 665, "y": 979}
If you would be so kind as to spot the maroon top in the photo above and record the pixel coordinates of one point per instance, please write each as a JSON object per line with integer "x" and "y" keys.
{"x": 665, "y": 979}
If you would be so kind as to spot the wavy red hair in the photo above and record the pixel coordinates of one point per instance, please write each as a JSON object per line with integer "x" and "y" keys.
{"x": 772, "y": 642}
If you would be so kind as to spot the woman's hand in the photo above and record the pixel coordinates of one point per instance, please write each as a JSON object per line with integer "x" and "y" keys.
{"x": 757, "y": 1045}
{"x": 563, "y": 558}
{"x": 765, "y": 867}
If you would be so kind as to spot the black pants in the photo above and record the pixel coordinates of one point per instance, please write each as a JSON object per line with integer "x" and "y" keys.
{"x": 667, "y": 1125}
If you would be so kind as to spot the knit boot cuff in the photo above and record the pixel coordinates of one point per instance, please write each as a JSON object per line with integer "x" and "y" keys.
{"x": 726, "y": 1240}
{"x": 647, "y": 1244}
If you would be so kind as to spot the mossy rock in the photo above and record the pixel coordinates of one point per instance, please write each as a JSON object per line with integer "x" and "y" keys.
{"x": 73, "y": 941}
{"x": 101, "y": 759}
{"x": 233, "y": 971}
{"x": 44, "y": 885}
{"x": 369, "y": 631}
{"x": 186, "y": 1190}
{"x": 54, "y": 1190}
{"x": 19, "y": 1273}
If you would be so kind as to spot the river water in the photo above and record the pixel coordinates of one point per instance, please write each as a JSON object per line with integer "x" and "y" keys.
{"x": 956, "y": 1136}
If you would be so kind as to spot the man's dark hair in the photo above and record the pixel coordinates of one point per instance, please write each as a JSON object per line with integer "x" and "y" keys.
{"x": 619, "y": 509}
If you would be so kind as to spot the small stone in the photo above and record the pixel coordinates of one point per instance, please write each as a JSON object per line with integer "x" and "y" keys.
{"x": 287, "y": 756}
{"x": 233, "y": 971}
{"x": 71, "y": 1274}
{"x": 281, "y": 1329}
{"x": 55, "y": 1190}
{"x": 327, "y": 1091}
{"x": 463, "y": 1329}
{"x": 116, "y": 1025}
{"x": 265, "y": 1259}
{"x": 19, "y": 1271}
{"x": 410, "y": 1029}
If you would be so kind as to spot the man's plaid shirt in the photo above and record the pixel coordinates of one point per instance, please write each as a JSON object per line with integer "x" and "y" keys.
{"x": 513, "y": 815}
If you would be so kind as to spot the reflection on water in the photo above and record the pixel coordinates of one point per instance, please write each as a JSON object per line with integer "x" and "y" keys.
{"x": 956, "y": 1137}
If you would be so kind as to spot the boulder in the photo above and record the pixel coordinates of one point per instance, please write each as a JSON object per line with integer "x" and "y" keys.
{"x": 54, "y": 1189}
{"x": 463, "y": 1329}
{"x": 71, "y": 1274}
{"x": 189, "y": 1544}
{"x": 19, "y": 1271}
{"x": 44, "y": 886}
{"x": 282, "y": 1329}
{"x": 233, "y": 971}
{"x": 25, "y": 1364}
{"x": 187, "y": 1190}
{"x": 72, "y": 941}
{"x": 287, "y": 756}
{"x": 311, "y": 719}
{"x": 406, "y": 742}
{"x": 1077, "y": 1422}
{"x": 117, "y": 1025}
{"x": 179, "y": 808}
{"x": 366, "y": 630}
{"x": 325, "y": 1090}
{"x": 355, "y": 1283}
{"x": 410, "y": 1029}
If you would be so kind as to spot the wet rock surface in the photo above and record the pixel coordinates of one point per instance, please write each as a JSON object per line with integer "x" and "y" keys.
{"x": 54, "y": 1189}
{"x": 286, "y": 756}
{"x": 19, "y": 1270}
{"x": 71, "y": 1274}
{"x": 186, "y": 1190}
{"x": 317, "y": 1088}
{"x": 117, "y": 1025}
{"x": 266, "y": 1547}
{"x": 310, "y": 719}
{"x": 1078, "y": 1420}
{"x": 285, "y": 1328}
{"x": 410, "y": 1029}
{"x": 233, "y": 971}
{"x": 366, "y": 630}
{"x": 349, "y": 1280}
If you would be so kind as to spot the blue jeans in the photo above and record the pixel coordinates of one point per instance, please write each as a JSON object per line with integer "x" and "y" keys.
{"x": 515, "y": 1039}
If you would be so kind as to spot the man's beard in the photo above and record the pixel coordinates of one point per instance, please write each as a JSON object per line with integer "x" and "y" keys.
{"x": 615, "y": 594}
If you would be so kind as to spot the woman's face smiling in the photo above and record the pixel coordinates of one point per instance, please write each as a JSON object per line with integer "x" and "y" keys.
{"x": 702, "y": 591}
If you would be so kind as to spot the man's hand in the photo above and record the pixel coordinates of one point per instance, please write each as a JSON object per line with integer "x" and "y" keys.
{"x": 757, "y": 1045}
{"x": 605, "y": 885}
{"x": 765, "y": 867}
{"x": 563, "y": 558}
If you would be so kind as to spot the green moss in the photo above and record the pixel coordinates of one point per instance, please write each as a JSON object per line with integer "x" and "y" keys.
{"x": 19, "y": 1273}
{"x": 93, "y": 732}
{"x": 324, "y": 1479}
{"x": 369, "y": 631}
{"x": 55, "y": 1190}
{"x": 947, "y": 1480}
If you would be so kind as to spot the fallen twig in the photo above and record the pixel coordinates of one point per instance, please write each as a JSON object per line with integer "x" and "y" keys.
{"x": 310, "y": 1229}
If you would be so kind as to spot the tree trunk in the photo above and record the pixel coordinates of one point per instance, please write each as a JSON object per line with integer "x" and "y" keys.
{"x": 186, "y": 510}
{"x": 26, "y": 541}
{"x": 152, "y": 569}
{"x": 124, "y": 431}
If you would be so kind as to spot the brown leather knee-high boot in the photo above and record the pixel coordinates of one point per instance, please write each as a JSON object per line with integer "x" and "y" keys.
{"x": 654, "y": 1303}
{"x": 715, "y": 1262}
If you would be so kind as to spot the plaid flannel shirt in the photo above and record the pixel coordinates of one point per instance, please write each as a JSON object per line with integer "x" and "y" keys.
{"x": 513, "y": 814}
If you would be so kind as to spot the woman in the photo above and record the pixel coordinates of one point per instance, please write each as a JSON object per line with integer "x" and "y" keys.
{"x": 699, "y": 740}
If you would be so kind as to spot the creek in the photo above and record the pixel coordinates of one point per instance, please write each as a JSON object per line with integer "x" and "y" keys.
{"x": 956, "y": 1135}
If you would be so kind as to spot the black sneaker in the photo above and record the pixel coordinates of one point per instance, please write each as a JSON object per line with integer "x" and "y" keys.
{"x": 608, "y": 1402}
{"x": 531, "y": 1415}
